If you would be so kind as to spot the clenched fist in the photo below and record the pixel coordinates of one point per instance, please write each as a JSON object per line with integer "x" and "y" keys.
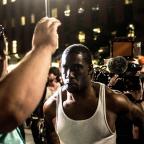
{"x": 45, "y": 34}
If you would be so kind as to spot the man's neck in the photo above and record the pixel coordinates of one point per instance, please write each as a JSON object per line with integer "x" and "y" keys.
{"x": 83, "y": 94}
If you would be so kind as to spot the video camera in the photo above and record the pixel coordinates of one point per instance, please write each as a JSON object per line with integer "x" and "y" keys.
{"x": 127, "y": 71}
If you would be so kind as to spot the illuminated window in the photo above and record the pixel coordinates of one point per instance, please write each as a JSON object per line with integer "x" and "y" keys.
{"x": 101, "y": 50}
{"x": 13, "y": 22}
{"x": 131, "y": 26}
{"x": 95, "y": 37}
{"x": 97, "y": 30}
{"x": 14, "y": 46}
{"x": 128, "y": 2}
{"x": 13, "y": 1}
{"x": 131, "y": 34}
{"x": 23, "y": 20}
{"x": 81, "y": 37}
{"x": 113, "y": 33}
{"x": 67, "y": 10}
{"x": 81, "y": 10}
{"x": 33, "y": 18}
{"x": 131, "y": 29}
{"x": 4, "y": 2}
{"x": 97, "y": 8}
{"x": 54, "y": 12}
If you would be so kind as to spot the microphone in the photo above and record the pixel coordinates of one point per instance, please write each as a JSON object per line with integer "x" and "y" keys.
{"x": 117, "y": 65}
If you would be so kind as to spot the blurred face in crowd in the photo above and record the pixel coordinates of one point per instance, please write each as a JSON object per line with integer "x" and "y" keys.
{"x": 52, "y": 79}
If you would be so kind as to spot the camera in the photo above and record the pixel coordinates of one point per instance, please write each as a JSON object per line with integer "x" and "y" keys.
{"x": 133, "y": 67}
{"x": 100, "y": 74}
{"x": 128, "y": 76}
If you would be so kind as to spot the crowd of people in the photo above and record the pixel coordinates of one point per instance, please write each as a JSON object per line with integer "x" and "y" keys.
{"x": 66, "y": 105}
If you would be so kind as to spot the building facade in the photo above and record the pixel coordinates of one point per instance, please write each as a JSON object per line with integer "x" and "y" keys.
{"x": 91, "y": 22}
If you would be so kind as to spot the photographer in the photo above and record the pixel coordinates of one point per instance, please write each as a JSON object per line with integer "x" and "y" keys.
{"x": 126, "y": 76}
{"x": 126, "y": 79}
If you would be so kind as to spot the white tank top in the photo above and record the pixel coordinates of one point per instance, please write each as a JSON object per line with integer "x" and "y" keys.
{"x": 94, "y": 130}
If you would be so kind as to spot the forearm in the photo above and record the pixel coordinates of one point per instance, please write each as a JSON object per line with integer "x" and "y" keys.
{"x": 23, "y": 88}
{"x": 139, "y": 122}
{"x": 140, "y": 134}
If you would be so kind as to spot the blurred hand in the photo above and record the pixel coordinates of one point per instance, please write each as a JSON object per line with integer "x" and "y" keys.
{"x": 45, "y": 34}
{"x": 113, "y": 80}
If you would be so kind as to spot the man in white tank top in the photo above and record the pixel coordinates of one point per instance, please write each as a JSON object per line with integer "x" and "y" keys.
{"x": 82, "y": 111}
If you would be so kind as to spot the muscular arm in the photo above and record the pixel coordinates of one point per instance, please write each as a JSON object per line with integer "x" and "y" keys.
{"x": 137, "y": 116}
{"x": 22, "y": 89}
{"x": 124, "y": 106}
{"x": 49, "y": 109}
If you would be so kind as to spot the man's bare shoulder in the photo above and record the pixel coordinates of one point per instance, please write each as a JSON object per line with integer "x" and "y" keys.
{"x": 117, "y": 101}
{"x": 111, "y": 95}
